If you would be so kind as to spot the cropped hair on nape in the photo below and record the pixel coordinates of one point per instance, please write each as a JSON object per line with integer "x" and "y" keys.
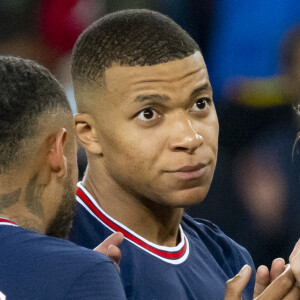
{"x": 136, "y": 37}
{"x": 26, "y": 91}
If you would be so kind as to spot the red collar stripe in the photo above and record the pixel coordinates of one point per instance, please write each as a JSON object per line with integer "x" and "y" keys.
{"x": 128, "y": 235}
{"x": 2, "y": 220}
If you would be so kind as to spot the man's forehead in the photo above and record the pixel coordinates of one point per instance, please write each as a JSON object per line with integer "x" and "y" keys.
{"x": 169, "y": 71}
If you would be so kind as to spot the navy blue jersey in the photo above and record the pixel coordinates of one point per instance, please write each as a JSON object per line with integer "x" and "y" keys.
{"x": 36, "y": 266}
{"x": 197, "y": 268}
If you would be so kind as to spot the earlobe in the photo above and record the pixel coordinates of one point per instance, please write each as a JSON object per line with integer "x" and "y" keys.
{"x": 87, "y": 134}
{"x": 56, "y": 156}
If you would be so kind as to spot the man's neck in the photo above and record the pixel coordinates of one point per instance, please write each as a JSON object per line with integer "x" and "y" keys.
{"x": 23, "y": 220}
{"x": 137, "y": 214}
{"x": 14, "y": 205}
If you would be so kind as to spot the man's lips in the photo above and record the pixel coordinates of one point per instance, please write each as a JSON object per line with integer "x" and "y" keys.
{"x": 190, "y": 168}
{"x": 190, "y": 172}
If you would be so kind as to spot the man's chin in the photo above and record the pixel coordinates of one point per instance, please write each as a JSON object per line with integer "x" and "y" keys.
{"x": 186, "y": 197}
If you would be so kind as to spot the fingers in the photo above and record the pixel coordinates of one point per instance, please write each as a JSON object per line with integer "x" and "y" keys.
{"x": 114, "y": 239}
{"x": 110, "y": 248}
{"x": 277, "y": 267}
{"x": 280, "y": 287}
{"x": 294, "y": 294}
{"x": 236, "y": 285}
{"x": 296, "y": 250}
{"x": 262, "y": 280}
{"x": 295, "y": 261}
{"x": 295, "y": 267}
{"x": 114, "y": 253}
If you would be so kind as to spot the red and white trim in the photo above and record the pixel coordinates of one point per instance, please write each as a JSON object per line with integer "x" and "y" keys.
{"x": 4, "y": 221}
{"x": 173, "y": 255}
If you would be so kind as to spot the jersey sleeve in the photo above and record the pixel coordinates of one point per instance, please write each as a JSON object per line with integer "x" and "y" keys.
{"x": 229, "y": 254}
{"x": 241, "y": 257}
{"x": 102, "y": 281}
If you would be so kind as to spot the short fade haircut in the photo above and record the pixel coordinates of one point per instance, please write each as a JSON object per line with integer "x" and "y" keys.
{"x": 136, "y": 37}
{"x": 27, "y": 90}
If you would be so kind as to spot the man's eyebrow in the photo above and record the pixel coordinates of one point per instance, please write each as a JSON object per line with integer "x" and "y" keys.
{"x": 204, "y": 88}
{"x": 163, "y": 98}
{"x": 152, "y": 97}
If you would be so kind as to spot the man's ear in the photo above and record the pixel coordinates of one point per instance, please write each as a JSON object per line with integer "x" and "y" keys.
{"x": 56, "y": 158}
{"x": 86, "y": 133}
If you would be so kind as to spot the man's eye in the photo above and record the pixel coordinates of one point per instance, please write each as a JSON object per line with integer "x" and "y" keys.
{"x": 201, "y": 104}
{"x": 148, "y": 114}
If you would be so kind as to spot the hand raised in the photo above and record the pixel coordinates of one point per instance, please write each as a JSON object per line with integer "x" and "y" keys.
{"x": 264, "y": 277}
{"x": 236, "y": 285}
{"x": 110, "y": 247}
{"x": 282, "y": 288}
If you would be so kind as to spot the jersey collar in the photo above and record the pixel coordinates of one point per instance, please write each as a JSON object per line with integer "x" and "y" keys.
{"x": 174, "y": 255}
{"x": 4, "y": 221}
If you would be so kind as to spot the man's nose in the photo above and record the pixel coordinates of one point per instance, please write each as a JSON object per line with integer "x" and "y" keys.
{"x": 185, "y": 137}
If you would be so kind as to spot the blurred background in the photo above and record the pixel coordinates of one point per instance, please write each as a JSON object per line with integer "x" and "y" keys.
{"x": 252, "y": 51}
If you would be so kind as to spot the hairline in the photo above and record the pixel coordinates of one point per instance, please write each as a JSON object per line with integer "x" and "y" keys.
{"x": 89, "y": 86}
{"x": 40, "y": 130}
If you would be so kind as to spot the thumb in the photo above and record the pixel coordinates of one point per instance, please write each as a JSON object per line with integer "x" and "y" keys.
{"x": 115, "y": 254}
{"x": 236, "y": 285}
{"x": 114, "y": 239}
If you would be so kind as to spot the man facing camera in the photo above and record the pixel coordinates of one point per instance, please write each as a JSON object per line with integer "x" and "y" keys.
{"x": 149, "y": 126}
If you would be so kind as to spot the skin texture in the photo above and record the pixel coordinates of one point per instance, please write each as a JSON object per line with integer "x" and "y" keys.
{"x": 147, "y": 124}
{"x": 60, "y": 224}
{"x": 40, "y": 195}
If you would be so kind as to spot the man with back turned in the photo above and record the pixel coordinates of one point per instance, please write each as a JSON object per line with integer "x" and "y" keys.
{"x": 38, "y": 175}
